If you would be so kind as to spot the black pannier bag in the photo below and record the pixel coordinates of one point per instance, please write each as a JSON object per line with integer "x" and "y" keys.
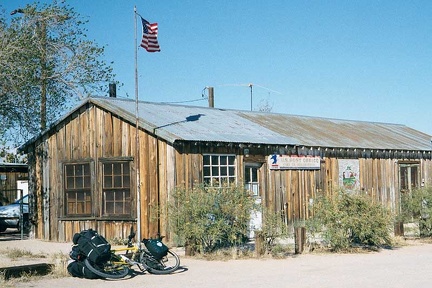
{"x": 75, "y": 253}
{"x": 93, "y": 246}
{"x": 156, "y": 248}
{"x": 79, "y": 269}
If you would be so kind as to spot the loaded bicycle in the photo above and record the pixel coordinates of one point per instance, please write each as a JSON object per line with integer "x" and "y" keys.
{"x": 152, "y": 256}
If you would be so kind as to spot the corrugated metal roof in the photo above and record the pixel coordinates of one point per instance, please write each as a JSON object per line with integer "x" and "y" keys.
{"x": 324, "y": 132}
{"x": 191, "y": 123}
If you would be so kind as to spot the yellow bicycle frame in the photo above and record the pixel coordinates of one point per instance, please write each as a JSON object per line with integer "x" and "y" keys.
{"x": 125, "y": 258}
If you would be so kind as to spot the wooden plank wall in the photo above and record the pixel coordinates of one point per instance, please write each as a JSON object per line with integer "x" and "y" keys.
{"x": 294, "y": 188}
{"x": 79, "y": 138}
{"x": 378, "y": 178}
{"x": 185, "y": 163}
{"x": 110, "y": 230}
{"x": 426, "y": 172}
{"x": 92, "y": 133}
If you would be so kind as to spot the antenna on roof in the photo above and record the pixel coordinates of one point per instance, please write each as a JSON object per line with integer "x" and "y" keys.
{"x": 250, "y": 85}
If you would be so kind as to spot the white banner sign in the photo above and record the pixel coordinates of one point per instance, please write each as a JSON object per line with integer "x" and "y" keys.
{"x": 293, "y": 162}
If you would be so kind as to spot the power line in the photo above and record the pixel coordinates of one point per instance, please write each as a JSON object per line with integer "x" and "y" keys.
{"x": 249, "y": 85}
{"x": 186, "y": 101}
{"x": 205, "y": 97}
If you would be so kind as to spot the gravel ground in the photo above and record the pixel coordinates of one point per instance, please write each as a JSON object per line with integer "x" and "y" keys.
{"x": 408, "y": 266}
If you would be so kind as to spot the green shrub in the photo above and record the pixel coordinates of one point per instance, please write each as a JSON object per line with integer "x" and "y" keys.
{"x": 347, "y": 219}
{"x": 280, "y": 251}
{"x": 417, "y": 208}
{"x": 272, "y": 228}
{"x": 207, "y": 218}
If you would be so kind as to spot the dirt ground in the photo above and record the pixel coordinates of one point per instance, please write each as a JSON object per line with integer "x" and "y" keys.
{"x": 408, "y": 266}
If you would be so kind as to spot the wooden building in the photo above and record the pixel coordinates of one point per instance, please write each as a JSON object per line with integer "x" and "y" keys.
{"x": 84, "y": 167}
{"x": 13, "y": 182}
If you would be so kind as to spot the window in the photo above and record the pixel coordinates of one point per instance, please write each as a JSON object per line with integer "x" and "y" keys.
{"x": 78, "y": 189}
{"x": 116, "y": 188}
{"x": 219, "y": 169}
{"x": 409, "y": 178}
{"x": 251, "y": 178}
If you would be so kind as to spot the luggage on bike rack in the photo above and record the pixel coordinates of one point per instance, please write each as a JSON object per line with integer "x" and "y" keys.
{"x": 92, "y": 257}
{"x": 156, "y": 248}
{"x": 93, "y": 246}
{"x": 79, "y": 269}
{"x": 76, "y": 254}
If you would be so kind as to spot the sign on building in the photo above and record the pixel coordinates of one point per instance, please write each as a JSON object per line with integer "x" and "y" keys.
{"x": 349, "y": 174}
{"x": 280, "y": 162}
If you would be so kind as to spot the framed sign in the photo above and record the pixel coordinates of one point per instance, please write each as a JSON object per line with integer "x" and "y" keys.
{"x": 349, "y": 174}
{"x": 280, "y": 162}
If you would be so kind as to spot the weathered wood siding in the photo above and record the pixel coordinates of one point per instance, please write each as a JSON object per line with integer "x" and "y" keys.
{"x": 291, "y": 191}
{"x": 93, "y": 134}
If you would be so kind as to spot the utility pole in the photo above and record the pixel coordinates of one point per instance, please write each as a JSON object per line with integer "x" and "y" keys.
{"x": 211, "y": 96}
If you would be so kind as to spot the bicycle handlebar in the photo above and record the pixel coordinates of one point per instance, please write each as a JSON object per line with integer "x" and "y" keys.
{"x": 132, "y": 235}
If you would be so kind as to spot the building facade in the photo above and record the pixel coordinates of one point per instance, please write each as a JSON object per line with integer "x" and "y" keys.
{"x": 85, "y": 168}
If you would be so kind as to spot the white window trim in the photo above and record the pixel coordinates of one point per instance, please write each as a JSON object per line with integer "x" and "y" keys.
{"x": 211, "y": 177}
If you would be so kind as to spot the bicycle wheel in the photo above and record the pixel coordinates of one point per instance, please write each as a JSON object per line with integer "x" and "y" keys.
{"x": 108, "y": 270}
{"x": 166, "y": 265}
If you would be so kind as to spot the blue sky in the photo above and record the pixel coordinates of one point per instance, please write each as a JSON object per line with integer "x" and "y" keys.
{"x": 358, "y": 60}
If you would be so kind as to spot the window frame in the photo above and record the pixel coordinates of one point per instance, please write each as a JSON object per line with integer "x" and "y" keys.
{"x": 225, "y": 169}
{"x": 411, "y": 178}
{"x": 87, "y": 189}
{"x": 123, "y": 201}
{"x": 250, "y": 185}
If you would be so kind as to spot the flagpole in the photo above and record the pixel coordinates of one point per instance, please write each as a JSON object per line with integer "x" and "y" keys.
{"x": 137, "y": 156}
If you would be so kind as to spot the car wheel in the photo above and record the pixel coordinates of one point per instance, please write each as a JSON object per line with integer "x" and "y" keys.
{"x": 2, "y": 229}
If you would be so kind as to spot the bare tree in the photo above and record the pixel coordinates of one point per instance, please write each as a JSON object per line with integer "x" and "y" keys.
{"x": 265, "y": 106}
{"x": 47, "y": 63}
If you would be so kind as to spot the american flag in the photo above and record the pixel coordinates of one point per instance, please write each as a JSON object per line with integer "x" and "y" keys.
{"x": 149, "y": 40}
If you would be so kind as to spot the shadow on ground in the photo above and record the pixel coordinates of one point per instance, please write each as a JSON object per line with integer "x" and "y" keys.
{"x": 12, "y": 235}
